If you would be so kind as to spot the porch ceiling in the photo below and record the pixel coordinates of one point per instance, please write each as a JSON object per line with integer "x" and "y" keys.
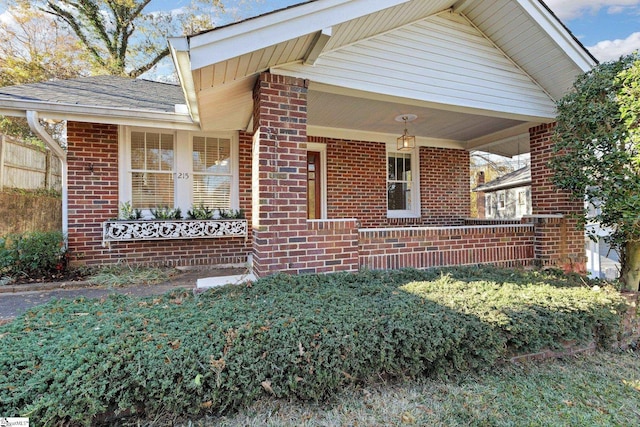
{"x": 477, "y": 73}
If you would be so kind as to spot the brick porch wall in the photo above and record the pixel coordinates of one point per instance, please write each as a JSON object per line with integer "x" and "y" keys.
{"x": 424, "y": 247}
{"x": 93, "y": 198}
{"x": 559, "y": 241}
{"x": 357, "y": 183}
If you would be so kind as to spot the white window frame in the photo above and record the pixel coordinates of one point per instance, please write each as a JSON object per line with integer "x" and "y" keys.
{"x": 502, "y": 200}
{"x": 414, "y": 211}
{"x": 183, "y": 167}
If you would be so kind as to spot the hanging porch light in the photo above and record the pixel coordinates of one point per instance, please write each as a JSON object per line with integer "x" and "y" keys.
{"x": 406, "y": 142}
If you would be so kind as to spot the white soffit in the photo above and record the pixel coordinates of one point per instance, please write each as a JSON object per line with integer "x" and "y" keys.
{"x": 534, "y": 39}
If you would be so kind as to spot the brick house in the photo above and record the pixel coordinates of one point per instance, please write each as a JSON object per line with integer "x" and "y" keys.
{"x": 506, "y": 197}
{"x": 306, "y": 119}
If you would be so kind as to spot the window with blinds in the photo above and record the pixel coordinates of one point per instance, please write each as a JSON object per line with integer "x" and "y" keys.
{"x": 212, "y": 172}
{"x": 152, "y": 169}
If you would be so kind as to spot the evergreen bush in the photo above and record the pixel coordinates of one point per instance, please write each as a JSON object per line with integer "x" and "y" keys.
{"x": 302, "y": 337}
{"x": 33, "y": 255}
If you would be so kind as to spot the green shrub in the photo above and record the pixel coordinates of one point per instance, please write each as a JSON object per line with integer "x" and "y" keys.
{"x": 166, "y": 213}
{"x": 200, "y": 212}
{"x": 127, "y": 212}
{"x": 33, "y": 255}
{"x": 288, "y": 336}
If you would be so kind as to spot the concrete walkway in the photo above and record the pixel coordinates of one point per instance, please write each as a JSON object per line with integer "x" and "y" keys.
{"x": 16, "y": 299}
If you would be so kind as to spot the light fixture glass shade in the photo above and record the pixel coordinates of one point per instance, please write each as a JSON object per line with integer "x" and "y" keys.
{"x": 406, "y": 142}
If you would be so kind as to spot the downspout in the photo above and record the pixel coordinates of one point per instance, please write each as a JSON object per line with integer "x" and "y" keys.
{"x": 36, "y": 127}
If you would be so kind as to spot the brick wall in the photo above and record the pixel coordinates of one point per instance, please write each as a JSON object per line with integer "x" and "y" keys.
{"x": 93, "y": 198}
{"x": 357, "y": 184}
{"x": 356, "y": 180}
{"x": 559, "y": 239}
{"x": 445, "y": 187}
{"x": 424, "y": 247}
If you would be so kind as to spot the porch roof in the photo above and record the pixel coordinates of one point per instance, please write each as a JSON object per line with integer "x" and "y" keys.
{"x": 477, "y": 73}
{"x": 518, "y": 178}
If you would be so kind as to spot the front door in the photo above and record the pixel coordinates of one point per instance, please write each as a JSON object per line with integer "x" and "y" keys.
{"x": 314, "y": 188}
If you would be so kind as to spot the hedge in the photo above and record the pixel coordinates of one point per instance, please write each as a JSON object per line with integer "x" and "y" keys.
{"x": 301, "y": 337}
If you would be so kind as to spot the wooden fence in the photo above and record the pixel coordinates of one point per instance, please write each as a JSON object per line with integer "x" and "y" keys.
{"x": 28, "y": 167}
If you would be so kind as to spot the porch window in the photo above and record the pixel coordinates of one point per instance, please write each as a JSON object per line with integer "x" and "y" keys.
{"x": 152, "y": 169}
{"x": 178, "y": 169}
{"x": 212, "y": 172}
{"x": 402, "y": 191}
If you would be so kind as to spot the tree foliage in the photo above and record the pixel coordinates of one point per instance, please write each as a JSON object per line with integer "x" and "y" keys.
{"x": 597, "y": 154}
{"x": 127, "y": 37}
{"x": 34, "y": 48}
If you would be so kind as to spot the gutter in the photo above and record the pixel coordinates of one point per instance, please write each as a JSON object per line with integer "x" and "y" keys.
{"x": 36, "y": 127}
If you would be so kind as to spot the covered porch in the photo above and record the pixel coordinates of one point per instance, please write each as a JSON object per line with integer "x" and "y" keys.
{"x": 325, "y": 88}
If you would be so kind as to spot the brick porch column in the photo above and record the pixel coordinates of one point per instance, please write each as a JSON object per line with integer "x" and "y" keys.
{"x": 559, "y": 241}
{"x": 280, "y": 173}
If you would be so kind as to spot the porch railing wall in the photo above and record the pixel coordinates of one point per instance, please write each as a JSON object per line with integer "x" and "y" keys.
{"x": 388, "y": 248}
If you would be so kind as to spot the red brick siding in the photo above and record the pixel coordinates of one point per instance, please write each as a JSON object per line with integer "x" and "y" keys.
{"x": 356, "y": 180}
{"x": 444, "y": 186}
{"x": 559, "y": 241}
{"x": 93, "y": 198}
{"x": 357, "y": 184}
{"x": 245, "y": 142}
{"x": 505, "y": 245}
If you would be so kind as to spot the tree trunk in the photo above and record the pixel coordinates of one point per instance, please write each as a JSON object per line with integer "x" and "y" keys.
{"x": 630, "y": 274}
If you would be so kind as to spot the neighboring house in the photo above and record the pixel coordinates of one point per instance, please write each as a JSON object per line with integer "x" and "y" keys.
{"x": 306, "y": 118}
{"x": 507, "y": 197}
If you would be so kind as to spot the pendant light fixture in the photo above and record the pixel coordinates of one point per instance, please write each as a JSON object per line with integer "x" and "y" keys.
{"x": 406, "y": 142}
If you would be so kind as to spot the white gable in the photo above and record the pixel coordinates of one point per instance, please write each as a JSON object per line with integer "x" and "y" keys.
{"x": 440, "y": 60}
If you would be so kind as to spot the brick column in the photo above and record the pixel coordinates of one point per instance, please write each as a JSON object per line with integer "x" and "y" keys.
{"x": 280, "y": 119}
{"x": 559, "y": 241}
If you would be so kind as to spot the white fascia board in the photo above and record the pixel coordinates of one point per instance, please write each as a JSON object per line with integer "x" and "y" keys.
{"x": 92, "y": 114}
{"x": 362, "y": 135}
{"x": 258, "y": 33}
{"x": 558, "y": 33}
{"x": 320, "y": 42}
{"x": 179, "y": 48}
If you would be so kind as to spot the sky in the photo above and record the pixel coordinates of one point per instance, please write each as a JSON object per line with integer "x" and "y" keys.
{"x": 608, "y": 28}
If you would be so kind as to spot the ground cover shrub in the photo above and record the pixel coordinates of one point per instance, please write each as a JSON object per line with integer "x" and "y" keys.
{"x": 300, "y": 337}
{"x": 33, "y": 255}
{"x": 589, "y": 390}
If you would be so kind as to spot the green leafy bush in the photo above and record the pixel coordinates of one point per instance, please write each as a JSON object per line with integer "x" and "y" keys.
{"x": 33, "y": 255}
{"x": 127, "y": 212}
{"x": 201, "y": 212}
{"x": 165, "y": 212}
{"x": 288, "y": 336}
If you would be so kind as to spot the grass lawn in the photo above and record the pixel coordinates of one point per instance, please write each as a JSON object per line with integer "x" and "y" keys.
{"x": 308, "y": 338}
{"x": 595, "y": 390}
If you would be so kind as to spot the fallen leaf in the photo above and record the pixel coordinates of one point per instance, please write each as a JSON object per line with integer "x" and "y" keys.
{"x": 206, "y": 405}
{"x": 407, "y": 418}
{"x": 267, "y": 386}
{"x": 300, "y": 348}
